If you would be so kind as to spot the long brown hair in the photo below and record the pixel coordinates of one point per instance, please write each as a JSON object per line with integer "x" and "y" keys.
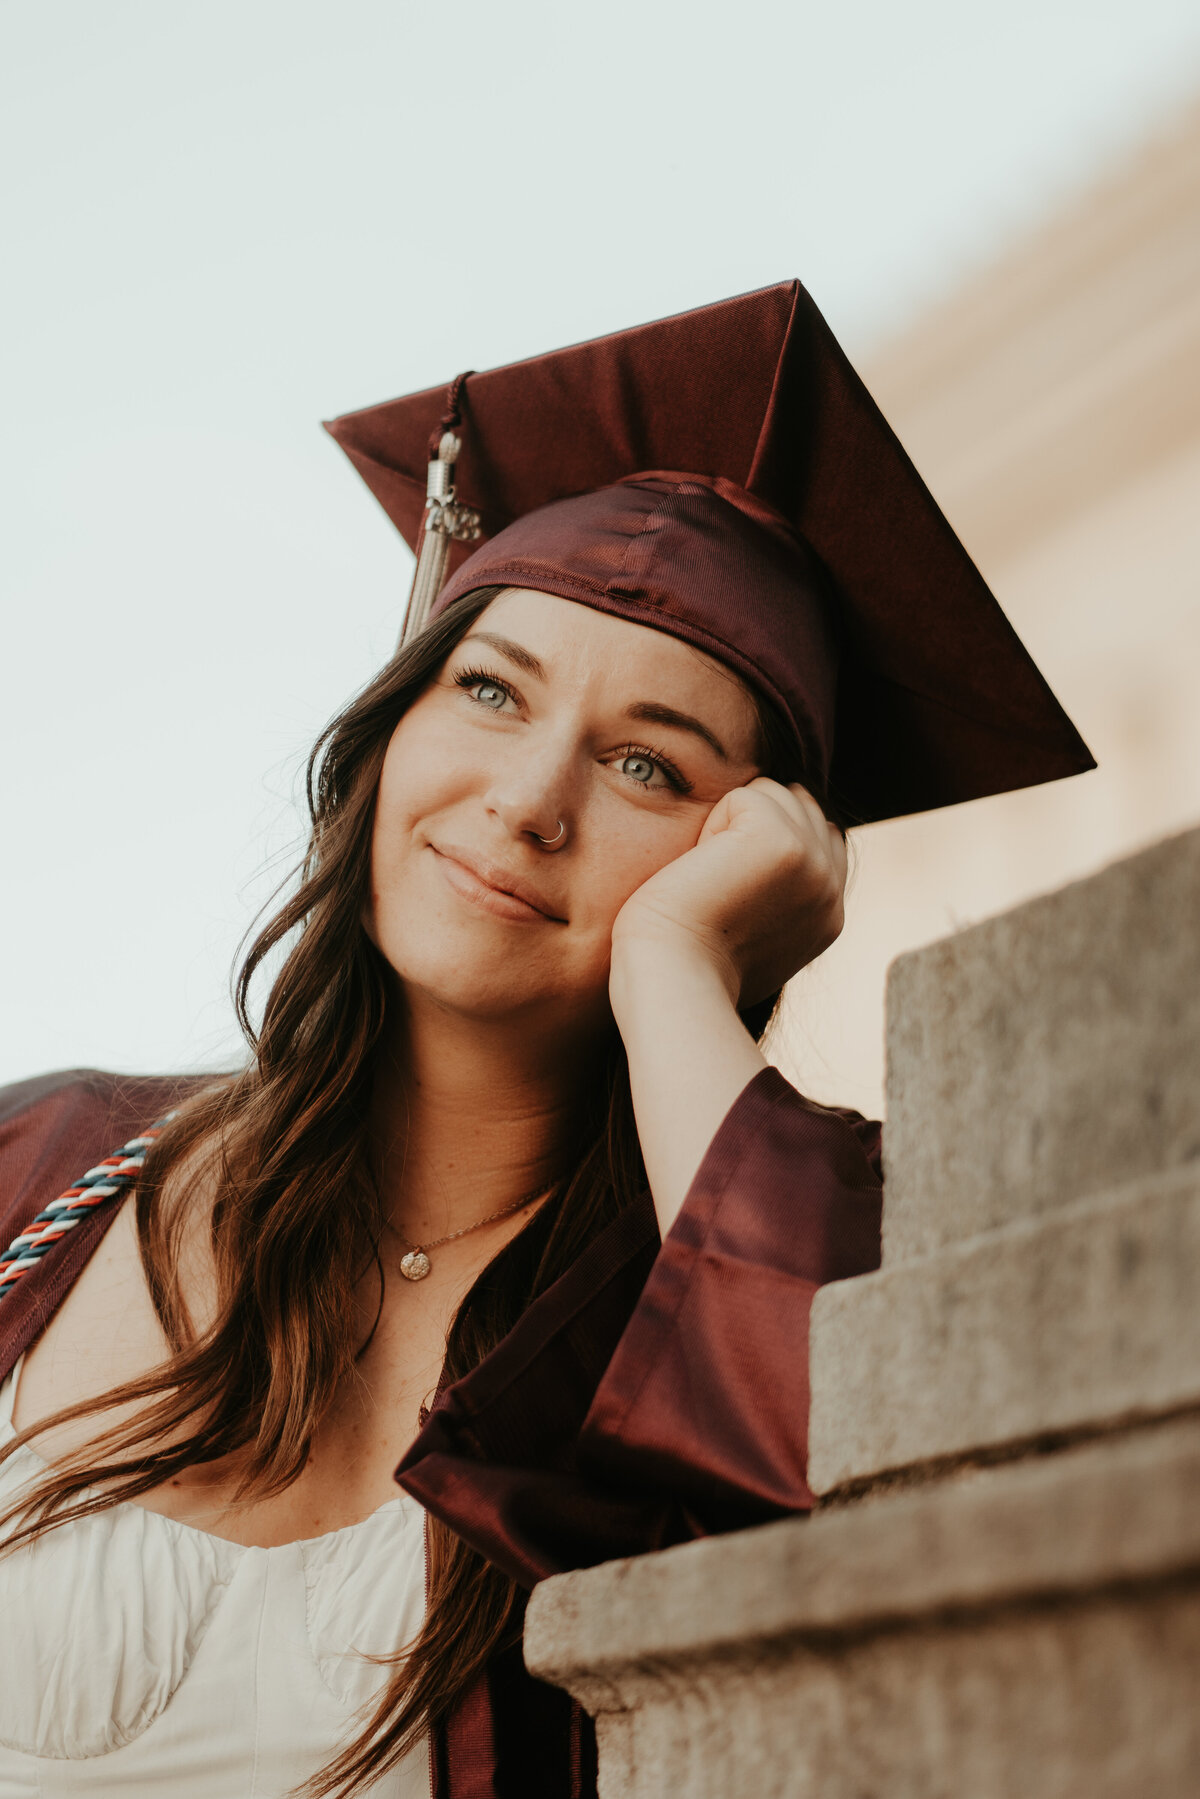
{"x": 296, "y": 1223}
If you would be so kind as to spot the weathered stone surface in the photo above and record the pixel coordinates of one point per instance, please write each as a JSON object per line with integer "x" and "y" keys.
{"x": 1025, "y": 1630}
{"x": 1087, "y": 1702}
{"x": 1045, "y": 1055}
{"x": 1119, "y": 1510}
{"x": 1086, "y": 1317}
{"x": 1030, "y": 1630}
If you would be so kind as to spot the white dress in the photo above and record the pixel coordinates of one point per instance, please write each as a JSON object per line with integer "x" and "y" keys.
{"x": 143, "y": 1659}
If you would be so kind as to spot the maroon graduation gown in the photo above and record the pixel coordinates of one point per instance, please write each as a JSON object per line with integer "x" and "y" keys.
{"x": 653, "y": 1394}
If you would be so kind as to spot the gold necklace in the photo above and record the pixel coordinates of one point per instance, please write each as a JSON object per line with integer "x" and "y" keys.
{"x": 416, "y": 1264}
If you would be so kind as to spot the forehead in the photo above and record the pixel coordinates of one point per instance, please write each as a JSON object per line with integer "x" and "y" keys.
{"x": 621, "y": 662}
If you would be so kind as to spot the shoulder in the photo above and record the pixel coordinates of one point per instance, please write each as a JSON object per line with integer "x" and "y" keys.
{"x": 54, "y": 1126}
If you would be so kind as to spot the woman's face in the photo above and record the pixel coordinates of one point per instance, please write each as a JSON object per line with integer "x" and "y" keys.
{"x": 546, "y": 712}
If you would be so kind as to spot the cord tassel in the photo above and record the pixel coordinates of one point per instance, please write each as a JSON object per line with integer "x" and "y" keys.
{"x": 446, "y": 521}
{"x": 430, "y": 572}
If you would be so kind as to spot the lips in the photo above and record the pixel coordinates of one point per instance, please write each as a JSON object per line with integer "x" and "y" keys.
{"x": 489, "y": 885}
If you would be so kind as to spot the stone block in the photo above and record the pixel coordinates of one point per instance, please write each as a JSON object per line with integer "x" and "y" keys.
{"x": 1047, "y": 1054}
{"x": 1085, "y": 1318}
{"x": 1086, "y": 1702}
{"x": 1027, "y": 1630}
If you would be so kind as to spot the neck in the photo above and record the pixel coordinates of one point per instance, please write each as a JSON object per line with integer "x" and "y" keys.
{"x": 469, "y": 1116}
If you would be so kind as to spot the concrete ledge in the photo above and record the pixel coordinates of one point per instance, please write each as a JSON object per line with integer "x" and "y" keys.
{"x": 1031, "y": 1629}
{"x": 1107, "y": 1513}
{"x": 1114, "y": 1512}
{"x": 1047, "y": 1054}
{"x": 1095, "y": 1700}
{"x": 1086, "y": 1318}
{"x": 1013, "y": 1619}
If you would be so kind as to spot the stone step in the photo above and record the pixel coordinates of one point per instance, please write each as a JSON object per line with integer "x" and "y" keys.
{"x": 1031, "y": 1630}
{"x": 1047, "y": 1054}
{"x": 1080, "y": 1319}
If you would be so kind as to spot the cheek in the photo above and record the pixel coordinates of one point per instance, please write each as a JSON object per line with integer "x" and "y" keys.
{"x": 423, "y": 771}
{"x": 415, "y": 780}
{"x": 390, "y": 840}
{"x": 624, "y": 847}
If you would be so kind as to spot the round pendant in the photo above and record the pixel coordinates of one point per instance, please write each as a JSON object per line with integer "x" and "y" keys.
{"x": 415, "y": 1266}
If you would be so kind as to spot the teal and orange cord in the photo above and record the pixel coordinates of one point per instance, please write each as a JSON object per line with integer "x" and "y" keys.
{"x": 107, "y": 1181}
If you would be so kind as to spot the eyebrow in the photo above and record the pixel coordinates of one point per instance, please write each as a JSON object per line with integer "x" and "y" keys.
{"x": 649, "y": 712}
{"x": 524, "y": 659}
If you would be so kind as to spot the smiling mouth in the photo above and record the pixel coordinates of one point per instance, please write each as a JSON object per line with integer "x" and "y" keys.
{"x": 492, "y": 889}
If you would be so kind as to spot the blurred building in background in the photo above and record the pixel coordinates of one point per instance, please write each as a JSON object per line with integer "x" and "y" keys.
{"x": 1053, "y": 406}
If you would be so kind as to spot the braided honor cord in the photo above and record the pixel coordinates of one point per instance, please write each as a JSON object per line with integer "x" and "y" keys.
{"x": 107, "y": 1180}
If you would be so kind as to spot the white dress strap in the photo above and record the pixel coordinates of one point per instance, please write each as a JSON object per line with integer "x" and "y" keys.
{"x": 8, "y": 1398}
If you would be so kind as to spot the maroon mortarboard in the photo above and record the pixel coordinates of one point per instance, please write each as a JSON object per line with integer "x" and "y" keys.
{"x": 725, "y": 476}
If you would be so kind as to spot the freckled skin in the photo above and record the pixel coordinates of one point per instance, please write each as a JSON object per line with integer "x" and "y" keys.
{"x": 457, "y": 773}
{"x": 685, "y": 883}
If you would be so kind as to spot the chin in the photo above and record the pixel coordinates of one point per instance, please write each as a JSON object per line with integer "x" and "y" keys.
{"x": 487, "y": 986}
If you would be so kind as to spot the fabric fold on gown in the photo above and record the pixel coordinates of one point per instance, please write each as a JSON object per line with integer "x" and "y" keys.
{"x": 659, "y": 1393}
{"x": 651, "y": 1395}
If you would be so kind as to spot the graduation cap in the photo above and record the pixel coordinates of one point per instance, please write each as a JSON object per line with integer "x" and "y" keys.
{"x": 725, "y": 476}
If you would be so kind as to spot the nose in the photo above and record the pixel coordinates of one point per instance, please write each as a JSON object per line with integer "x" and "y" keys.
{"x": 531, "y": 818}
{"x": 531, "y": 798}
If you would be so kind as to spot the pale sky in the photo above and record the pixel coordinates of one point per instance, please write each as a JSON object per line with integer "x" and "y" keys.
{"x": 223, "y": 222}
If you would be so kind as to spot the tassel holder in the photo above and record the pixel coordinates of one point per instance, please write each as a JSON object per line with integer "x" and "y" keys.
{"x": 446, "y": 521}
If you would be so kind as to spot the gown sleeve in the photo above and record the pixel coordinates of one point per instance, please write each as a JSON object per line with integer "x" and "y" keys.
{"x": 706, "y": 1396}
{"x": 656, "y": 1393}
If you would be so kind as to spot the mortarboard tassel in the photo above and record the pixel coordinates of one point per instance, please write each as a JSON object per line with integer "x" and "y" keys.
{"x": 445, "y": 519}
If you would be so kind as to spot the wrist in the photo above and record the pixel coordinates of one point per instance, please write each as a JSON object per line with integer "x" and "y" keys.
{"x": 668, "y": 968}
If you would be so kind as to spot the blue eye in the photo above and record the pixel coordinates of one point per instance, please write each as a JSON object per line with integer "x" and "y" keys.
{"x": 650, "y": 768}
{"x": 488, "y": 694}
{"x": 638, "y": 768}
{"x": 483, "y": 688}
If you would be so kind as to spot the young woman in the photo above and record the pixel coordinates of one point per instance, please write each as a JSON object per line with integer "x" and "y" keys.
{"x": 507, "y": 1206}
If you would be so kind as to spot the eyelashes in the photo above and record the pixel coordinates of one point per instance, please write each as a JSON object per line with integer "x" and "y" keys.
{"x": 466, "y": 678}
{"x": 482, "y": 677}
{"x": 675, "y": 778}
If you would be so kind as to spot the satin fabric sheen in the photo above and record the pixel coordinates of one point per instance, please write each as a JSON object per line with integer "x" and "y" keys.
{"x": 650, "y": 1396}
{"x": 725, "y": 476}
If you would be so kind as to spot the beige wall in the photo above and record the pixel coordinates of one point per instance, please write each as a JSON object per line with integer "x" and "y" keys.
{"x": 1054, "y": 408}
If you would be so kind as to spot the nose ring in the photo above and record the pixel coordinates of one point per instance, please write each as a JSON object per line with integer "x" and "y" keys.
{"x": 551, "y": 842}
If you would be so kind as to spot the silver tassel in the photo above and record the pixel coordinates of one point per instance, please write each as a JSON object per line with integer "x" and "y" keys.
{"x": 445, "y": 520}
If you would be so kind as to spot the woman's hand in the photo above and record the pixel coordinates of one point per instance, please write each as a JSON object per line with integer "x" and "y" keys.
{"x": 723, "y": 925}
{"x": 758, "y": 897}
